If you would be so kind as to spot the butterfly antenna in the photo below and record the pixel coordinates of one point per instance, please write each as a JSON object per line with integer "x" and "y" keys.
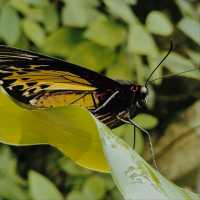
{"x": 131, "y": 122}
{"x": 169, "y": 51}
{"x": 172, "y": 75}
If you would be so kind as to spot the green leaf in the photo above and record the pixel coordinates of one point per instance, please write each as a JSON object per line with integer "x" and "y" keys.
{"x": 194, "y": 55}
{"x": 61, "y": 42}
{"x": 94, "y": 188}
{"x": 139, "y": 69}
{"x": 76, "y": 195}
{"x": 10, "y": 29}
{"x": 158, "y": 23}
{"x": 34, "y": 32}
{"x": 50, "y": 20}
{"x": 3, "y": 2}
{"x": 23, "y": 7}
{"x": 64, "y": 128}
{"x": 126, "y": 132}
{"x": 22, "y": 42}
{"x": 10, "y": 190}
{"x": 133, "y": 176}
{"x": 8, "y": 162}
{"x": 177, "y": 64}
{"x": 86, "y": 3}
{"x": 191, "y": 28}
{"x": 78, "y": 13}
{"x": 146, "y": 121}
{"x": 185, "y": 7}
{"x": 105, "y": 32}
{"x": 120, "y": 9}
{"x": 10, "y": 183}
{"x": 140, "y": 41}
{"x": 31, "y": 12}
{"x": 37, "y": 2}
{"x": 131, "y": 2}
{"x": 92, "y": 56}
{"x": 121, "y": 69}
{"x": 41, "y": 188}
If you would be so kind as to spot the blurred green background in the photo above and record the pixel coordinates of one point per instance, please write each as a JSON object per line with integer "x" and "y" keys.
{"x": 123, "y": 39}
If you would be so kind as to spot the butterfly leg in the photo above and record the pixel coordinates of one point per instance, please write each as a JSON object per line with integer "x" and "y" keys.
{"x": 134, "y": 136}
{"x": 106, "y": 102}
{"x": 133, "y": 123}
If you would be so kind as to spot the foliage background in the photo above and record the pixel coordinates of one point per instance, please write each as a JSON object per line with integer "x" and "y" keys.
{"x": 123, "y": 39}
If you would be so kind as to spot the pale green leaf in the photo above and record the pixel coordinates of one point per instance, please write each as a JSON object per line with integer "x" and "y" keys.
{"x": 186, "y": 7}
{"x": 41, "y": 188}
{"x": 133, "y": 176}
{"x": 140, "y": 41}
{"x": 105, "y": 32}
{"x": 120, "y": 9}
{"x": 158, "y": 23}
{"x": 78, "y": 13}
{"x": 176, "y": 63}
{"x": 146, "y": 121}
{"x": 191, "y": 28}
{"x": 34, "y": 32}
{"x": 85, "y": 3}
{"x": 10, "y": 27}
{"x": 92, "y": 56}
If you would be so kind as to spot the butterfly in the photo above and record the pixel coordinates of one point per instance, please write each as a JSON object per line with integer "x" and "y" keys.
{"x": 39, "y": 82}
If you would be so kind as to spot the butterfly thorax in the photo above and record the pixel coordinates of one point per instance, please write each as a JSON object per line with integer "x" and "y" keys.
{"x": 127, "y": 101}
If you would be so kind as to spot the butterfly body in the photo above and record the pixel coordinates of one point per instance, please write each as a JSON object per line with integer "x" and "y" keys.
{"x": 41, "y": 82}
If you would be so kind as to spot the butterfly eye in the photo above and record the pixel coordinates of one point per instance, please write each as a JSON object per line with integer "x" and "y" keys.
{"x": 144, "y": 90}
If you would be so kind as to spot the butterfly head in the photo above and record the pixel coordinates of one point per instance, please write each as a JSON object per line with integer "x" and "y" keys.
{"x": 140, "y": 95}
{"x": 142, "y": 99}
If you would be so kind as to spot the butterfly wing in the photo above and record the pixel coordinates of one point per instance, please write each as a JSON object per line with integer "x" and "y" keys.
{"x": 41, "y": 81}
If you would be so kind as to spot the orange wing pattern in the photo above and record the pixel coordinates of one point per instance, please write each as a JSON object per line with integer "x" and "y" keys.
{"x": 48, "y": 88}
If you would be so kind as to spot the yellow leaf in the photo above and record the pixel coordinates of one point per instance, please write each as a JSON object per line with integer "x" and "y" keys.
{"x": 71, "y": 129}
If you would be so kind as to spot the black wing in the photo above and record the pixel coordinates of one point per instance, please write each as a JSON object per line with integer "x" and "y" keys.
{"x": 42, "y": 81}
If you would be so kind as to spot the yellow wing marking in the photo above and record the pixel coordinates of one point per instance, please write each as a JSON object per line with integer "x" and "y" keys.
{"x": 53, "y": 80}
{"x": 61, "y": 99}
{"x": 68, "y": 86}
